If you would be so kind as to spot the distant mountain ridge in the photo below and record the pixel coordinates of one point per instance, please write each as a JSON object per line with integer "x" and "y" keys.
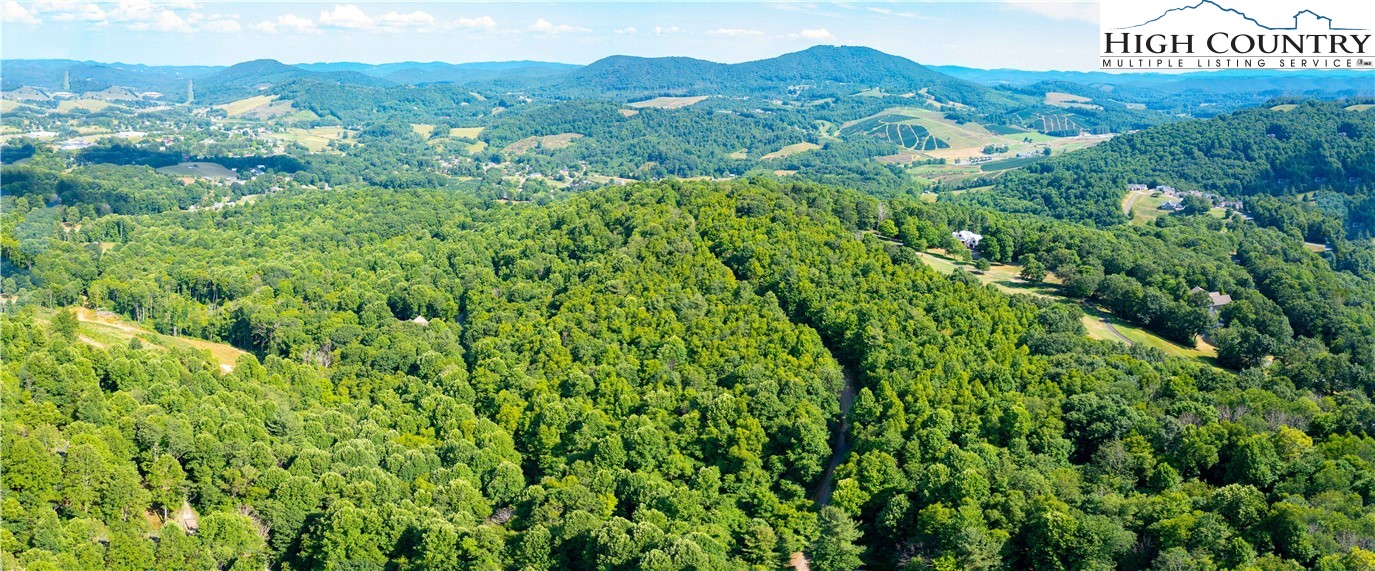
{"x": 817, "y": 67}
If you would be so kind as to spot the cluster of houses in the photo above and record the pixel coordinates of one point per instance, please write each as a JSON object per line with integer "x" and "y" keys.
{"x": 1176, "y": 197}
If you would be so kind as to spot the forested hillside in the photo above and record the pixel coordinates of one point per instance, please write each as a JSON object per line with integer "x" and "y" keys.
{"x": 1326, "y": 147}
{"x": 646, "y": 377}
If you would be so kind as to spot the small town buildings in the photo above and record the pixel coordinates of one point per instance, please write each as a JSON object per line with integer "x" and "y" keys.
{"x": 1136, "y": 187}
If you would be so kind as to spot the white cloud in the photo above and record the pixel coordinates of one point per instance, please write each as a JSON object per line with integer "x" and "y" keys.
{"x": 734, "y": 32}
{"x": 1077, "y": 11}
{"x": 626, "y": 31}
{"x": 661, "y": 31}
{"x": 817, "y": 34}
{"x": 483, "y": 22}
{"x": 16, "y": 14}
{"x": 286, "y": 23}
{"x": 222, "y": 25}
{"x": 346, "y": 16}
{"x": 545, "y": 27}
{"x": 888, "y": 12}
{"x": 163, "y": 21}
{"x": 396, "y": 20}
{"x": 134, "y": 11}
{"x": 83, "y": 12}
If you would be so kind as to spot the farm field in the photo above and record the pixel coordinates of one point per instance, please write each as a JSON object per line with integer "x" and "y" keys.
{"x": 668, "y": 102}
{"x": 1285, "y": 107}
{"x": 104, "y": 329}
{"x": 422, "y": 129}
{"x": 790, "y": 150}
{"x": 214, "y": 170}
{"x": 1361, "y": 107}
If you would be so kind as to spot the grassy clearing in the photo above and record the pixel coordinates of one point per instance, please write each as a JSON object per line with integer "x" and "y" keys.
{"x": 1361, "y": 107}
{"x": 105, "y": 329}
{"x": 422, "y": 129}
{"x": 558, "y": 141}
{"x": 92, "y": 105}
{"x": 477, "y": 147}
{"x": 237, "y": 108}
{"x": 1144, "y": 206}
{"x": 1315, "y": 247}
{"x": 264, "y": 107}
{"x": 791, "y": 150}
{"x": 198, "y": 170}
{"x": 739, "y": 155}
{"x": 8, "y": 105}
{"x": 1203, "y": 352}
{"x": 465, "y": 132}
{"x": 1066, "y": 100}
{"x": 1099, "y": 324}
{"x": 668, "y": 102}
{"x": 315, "y": 139}
{"x": 1285, "y": 107}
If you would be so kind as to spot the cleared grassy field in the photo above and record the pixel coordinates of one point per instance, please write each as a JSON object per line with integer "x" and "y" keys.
{"x": 741, "y": 154}
{"x": 477, "y": 147}
{"x": 316, "y": 139}
{"x": 465, "y": 132}
{"x": 558, "y": 141}
{"x": 1361, "y": 107}
{"x": 213, "y": 170}
{"x": 104, "y": 329}
{"x": 264, "y": 107}
{"x": 792, "y": 149}
{"x": 1058, "y": 99}
{"x": 1099, "y": 324}
{"x": 1107, "y": 323}
{"x": 1144, "y": 206}
{"x": 236, "y": 108}
{"x": 422, "y": 129}
{"x": 92, "y": 105}
{"x": 9, "y": 105}
{"x": 1285, "y": 107}
{"x": 668, "y": 102}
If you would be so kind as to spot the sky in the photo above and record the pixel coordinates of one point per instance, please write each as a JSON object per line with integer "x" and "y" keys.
{"x": 987, "y": 34}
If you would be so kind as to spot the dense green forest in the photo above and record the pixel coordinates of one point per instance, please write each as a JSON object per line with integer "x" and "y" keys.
{"x": 647, "y": 377}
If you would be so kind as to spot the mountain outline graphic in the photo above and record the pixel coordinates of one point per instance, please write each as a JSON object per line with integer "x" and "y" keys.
{"x": 1201, "y": 3}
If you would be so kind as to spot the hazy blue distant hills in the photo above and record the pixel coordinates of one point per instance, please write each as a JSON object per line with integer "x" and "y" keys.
{"x": 1237, "y": 80}
{"x": 421, "y": 73}
{"x": 821, "y": 68}
{"x": 92, "y": 76}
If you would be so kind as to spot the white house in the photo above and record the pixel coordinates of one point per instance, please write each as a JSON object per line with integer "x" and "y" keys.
{"x": 969, "y": 239}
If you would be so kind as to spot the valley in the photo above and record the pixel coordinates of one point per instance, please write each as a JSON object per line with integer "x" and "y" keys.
{"x": 832, "y": 309}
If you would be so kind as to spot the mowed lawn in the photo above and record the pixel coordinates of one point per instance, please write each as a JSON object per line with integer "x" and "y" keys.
{"x": 214, "y": 170}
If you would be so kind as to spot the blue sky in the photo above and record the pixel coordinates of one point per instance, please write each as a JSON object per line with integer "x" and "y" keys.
{"x": 1026, "y": 35}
